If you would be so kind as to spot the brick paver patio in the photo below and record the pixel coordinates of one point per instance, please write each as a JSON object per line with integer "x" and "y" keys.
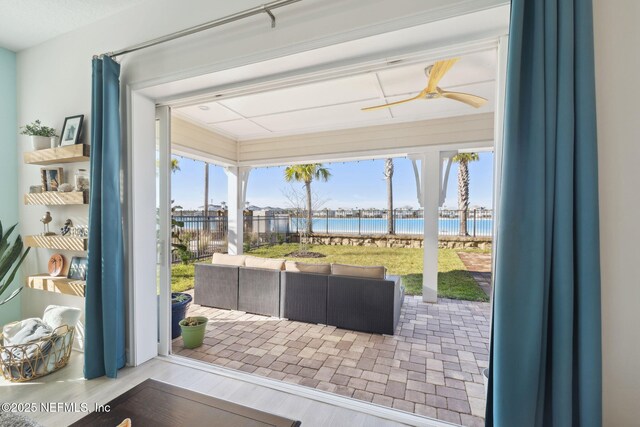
{"x": 432, "y": 366}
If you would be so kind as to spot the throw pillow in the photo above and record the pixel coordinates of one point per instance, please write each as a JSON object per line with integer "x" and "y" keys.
{"x": 266, "y": 263}
{"x": 373, "y": 272}
{"x": 303, "y": 267}
{"x": 56, "y": 316}
{"x": 224, "y": 259}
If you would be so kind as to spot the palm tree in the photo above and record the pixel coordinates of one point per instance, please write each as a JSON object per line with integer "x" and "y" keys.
{"x": 306, "y": 174}
{"x": 463, "y": 160}
{"x": 388, "y": 176}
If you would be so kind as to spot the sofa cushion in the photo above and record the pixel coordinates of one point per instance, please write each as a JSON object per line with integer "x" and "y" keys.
{"x": 304, "y": 267}
{"x": 266, "y": 263}
{"x": 372, "y": 272}
{"x": 224, "y": 259}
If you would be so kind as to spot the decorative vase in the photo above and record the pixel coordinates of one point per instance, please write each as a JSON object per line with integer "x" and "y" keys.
{"x": 40, "y": 142}
{"x": 193, "y": 336}
{"x": 178, "y": 312}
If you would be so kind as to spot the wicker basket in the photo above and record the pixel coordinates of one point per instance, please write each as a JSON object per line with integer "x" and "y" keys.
{"x": 17, "y": 367}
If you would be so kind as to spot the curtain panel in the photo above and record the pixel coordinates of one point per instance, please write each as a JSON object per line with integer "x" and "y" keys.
{"x": 545, "y": 363}
{"x": 104, "y": 300}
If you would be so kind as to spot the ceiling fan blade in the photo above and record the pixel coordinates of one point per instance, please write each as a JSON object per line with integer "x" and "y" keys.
{"x": 467, "y": 98}
{"x": 391, "y": 104}
{"x": 437, "y": 72}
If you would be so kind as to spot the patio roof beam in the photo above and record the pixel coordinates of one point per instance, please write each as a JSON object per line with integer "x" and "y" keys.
{"x": 473, "y": 131}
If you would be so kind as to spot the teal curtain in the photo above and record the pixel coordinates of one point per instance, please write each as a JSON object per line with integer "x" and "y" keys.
{"x": 545, "y": 367}
{"x": 104, "y": 301}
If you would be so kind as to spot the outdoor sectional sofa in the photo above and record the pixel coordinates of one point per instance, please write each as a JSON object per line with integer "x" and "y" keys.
{"x": 349, "y": 297}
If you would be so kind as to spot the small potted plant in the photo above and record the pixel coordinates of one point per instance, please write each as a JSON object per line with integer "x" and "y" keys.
{"x": 41, "y": 136}
{"x": 193, "y": 329}
{"x": 179, "y": 305}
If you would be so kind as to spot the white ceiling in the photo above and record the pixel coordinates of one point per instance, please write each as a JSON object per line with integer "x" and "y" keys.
{"x": 26, "y": 23}
{"x": 337, "y": 103}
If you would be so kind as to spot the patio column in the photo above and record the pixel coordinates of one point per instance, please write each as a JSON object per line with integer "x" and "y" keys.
{"x": 430, "y": 186}
{"x": 432, "y": 189}
{"x": 237, "y": 179}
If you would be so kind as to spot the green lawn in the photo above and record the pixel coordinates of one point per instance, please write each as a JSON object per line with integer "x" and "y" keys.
{"x": 454, "y": 281}
{"x": 182, "y": 277}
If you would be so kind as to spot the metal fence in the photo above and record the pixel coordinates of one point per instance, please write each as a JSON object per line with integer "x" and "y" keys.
{"x": 479, "y": 222}
{"x": 204, "y": 235}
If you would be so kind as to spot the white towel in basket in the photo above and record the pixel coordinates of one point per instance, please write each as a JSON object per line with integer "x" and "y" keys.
{"x": 27, "y": 333}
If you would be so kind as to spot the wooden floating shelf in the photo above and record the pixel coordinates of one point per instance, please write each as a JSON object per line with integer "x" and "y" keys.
{"x": 53, "y": 198}
{"x": 56, "y": 242}
{"x": 60, "y": 285}
{"x": 66, "y": 154}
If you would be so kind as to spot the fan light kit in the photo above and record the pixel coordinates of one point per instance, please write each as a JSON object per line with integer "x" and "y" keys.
{"x": 434, "y": 74}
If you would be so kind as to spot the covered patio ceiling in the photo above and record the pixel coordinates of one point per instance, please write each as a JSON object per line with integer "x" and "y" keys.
{"x": 336, "y": 104}
{"x": 300, "y": 106}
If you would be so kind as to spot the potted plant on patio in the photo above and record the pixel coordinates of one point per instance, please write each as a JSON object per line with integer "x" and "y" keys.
{"x": 179, "y": 305}
{"x": 193, "y": 329}
{"x": 41, "y": 136}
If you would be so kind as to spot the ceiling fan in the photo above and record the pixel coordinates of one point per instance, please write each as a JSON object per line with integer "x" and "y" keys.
{"x": 434, "y": 74}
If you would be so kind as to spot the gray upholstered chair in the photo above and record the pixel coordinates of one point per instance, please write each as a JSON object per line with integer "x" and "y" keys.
{"x": 303, "y": 297}
{"x": 216, "y": 286}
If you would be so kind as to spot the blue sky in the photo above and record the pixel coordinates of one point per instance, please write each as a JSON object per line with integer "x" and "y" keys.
{"x": 353, "y": 184}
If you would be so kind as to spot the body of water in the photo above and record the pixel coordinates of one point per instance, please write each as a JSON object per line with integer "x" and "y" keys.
{"x": 408, "y": 226}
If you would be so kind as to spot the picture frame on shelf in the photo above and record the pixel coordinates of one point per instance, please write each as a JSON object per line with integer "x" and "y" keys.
{"x": 51, "y": 178}
{"x": 78, "y": 268}
{"x": 71, "y": 130}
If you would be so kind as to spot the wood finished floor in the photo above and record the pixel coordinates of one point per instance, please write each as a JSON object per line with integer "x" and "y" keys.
{"x": 68, "y": 385}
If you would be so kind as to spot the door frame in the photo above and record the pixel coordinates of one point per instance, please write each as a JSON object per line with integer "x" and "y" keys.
{"x": 163, "y": 251}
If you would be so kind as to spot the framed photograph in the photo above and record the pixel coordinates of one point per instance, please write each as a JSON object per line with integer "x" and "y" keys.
{"x": 78, "y": 268}
{"x": 51, "y": 178}
{"x": 71, "y": 130}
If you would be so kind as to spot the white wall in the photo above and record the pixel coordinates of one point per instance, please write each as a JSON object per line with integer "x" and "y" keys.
{"x": 617, "y": 63}
{"x": 54, "y": 81}
{"x": 36, "y": 101}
